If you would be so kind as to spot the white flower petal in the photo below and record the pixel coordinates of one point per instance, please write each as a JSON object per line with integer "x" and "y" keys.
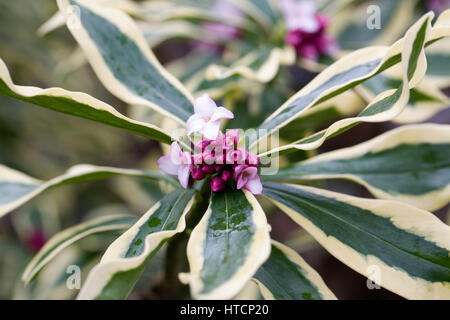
{"x": 254, "y": 185}
{"x": 195, "y": 123}
{"x": 211, "y": 130}
{"x": 222, "y": 113}
{"x": 204, "y": 106}
{"x": 183, "y": 175}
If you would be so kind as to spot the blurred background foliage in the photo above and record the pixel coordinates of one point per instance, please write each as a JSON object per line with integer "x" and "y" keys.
{"x": 44, "y": 144}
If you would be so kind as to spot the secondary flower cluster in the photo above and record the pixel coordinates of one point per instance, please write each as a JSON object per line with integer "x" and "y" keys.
{"x": 306, "y": 29}
{"x": 216, "y": 155}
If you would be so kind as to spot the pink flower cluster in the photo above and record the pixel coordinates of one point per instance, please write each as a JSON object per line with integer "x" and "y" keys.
{"x": 221, "y": 159}
{"x": 306, "y": 29}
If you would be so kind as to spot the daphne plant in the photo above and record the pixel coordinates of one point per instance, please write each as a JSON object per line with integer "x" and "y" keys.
{"x": 244, "y": 51}
{"x": 213, "y": 213}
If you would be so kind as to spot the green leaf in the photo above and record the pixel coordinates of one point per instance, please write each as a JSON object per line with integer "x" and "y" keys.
{"x": 408, "y": 247}
{"x": 122, "y": 60}
{"x": 125, "y": 259}
{"x": 352, "y": 70}
{"x": 410, "y": 164}
{"x": 17, "y": 188}
{"x": 65, "y": 238}
{"x": 77, "y": 104}
{"x": 286, "y": 276}
{"x": 227, "y": 246}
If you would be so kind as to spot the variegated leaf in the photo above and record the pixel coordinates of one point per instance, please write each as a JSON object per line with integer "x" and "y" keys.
{"x": 77, "y": 104}
{"x": 17, "y": 188}
{"x": 349, "y": 25}
{"x": 122, "y": 60}
{"x": 408, "y": 246}
{"x": 425, "y": 100}
{"x": 65, "y": 238}
{"x": 157, "y": 33}
{"x": 438, "y": 59}
{"x": 286, "y": 276}
{"x": 410, "y": 164}
{"x": 125, "y": 259}
{"x": 260, "y": 65}
{"x": 227, "y": 246}
{"x": 262, "y": 11}
{"x": 353, "y": 69}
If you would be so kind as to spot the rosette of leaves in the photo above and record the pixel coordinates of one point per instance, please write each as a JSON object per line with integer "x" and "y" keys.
{"x": 227, "y": 235}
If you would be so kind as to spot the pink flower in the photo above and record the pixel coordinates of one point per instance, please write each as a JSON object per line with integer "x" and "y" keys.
{"x": 201, "y": 145}
{"x": 248, "y": 178}
{"x": 237, "y": 156}
{"x": 252, "y": 160}
{"x": 217, "y": 184}
{"x": 438, "y": 6}
{"x": 177, "y": 163}
{"x": 299, "y": 15}
{"x": 206, "y": 119}
{"x": 231, "y": 138}
{"x": 306, "y": 29}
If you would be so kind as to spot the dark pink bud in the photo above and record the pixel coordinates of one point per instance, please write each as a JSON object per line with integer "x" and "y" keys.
{"x": 36, "y": 240}
{"x": 209, "y": 168}
{"x": 226, "y": 175}
{"x": 219, "y": 167}
{"x": 197, "y": 173}
{"x": 217, "y": 184}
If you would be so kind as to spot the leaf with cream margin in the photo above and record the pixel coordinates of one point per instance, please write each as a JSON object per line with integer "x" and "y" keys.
{"x": 409, "y": 246}
{"x": 260, "y": 65}
{"x": 425, "y": 100}
{"x": 352, "y": 70}
{"x": 199, "y": 11}
{"x": 345, "y": 104}
{"x": 227, "y": 246}
{"x": 57, "y": 20}
{"x": 438, "y": 58}
{"x": 17, "y": 188}
{"x": 349, "y": 25}
{"x": 409, "y": 164}
{"x": 157, "y": 33}
{"x": 77, "y": 104}
{"x": 65, "y": 238}
{"x": 262, "y": 11}
{"x": 122, "y": 60}
{"x": 125, "y": 259}
{"x": 286, "y": 276}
